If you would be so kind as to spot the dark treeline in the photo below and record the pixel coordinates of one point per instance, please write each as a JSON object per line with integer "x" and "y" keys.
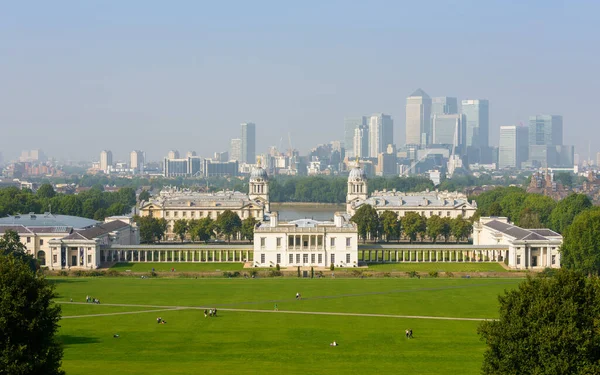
{"x": 94, "y": 203}
{"x": 320, "y": 189}
{"x": 530, "y": 210}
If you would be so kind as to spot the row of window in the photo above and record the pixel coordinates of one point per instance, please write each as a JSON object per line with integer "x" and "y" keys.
{"x": 314, "y": 258}
{"x": 263, "y": 241}
{"x": 193, "y": 214}
{"x": 29, "y": 240}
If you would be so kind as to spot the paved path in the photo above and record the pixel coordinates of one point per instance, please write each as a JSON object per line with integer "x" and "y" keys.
{"x": 173, "y": 308}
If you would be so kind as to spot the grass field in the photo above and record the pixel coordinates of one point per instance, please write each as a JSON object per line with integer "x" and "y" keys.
{"x": 181, "y": 266}
{"x": 249, "y": 337}
{"x": 440, "y": 267}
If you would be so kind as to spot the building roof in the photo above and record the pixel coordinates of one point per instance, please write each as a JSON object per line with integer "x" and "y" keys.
{"x": 170, "y": 198}
{"x": 521, "y": 234}
{"x": 357, "y": 173}
{"x": 424, "y": 200}
{"x": 420, "y": 93}
{"x": 259, "y": 172}
{"x": 97, "y": 231}
{"x": 48, "y": 220}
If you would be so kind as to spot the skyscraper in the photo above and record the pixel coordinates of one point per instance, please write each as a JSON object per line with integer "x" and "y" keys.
{"x": 447, "y": 129}
{"x": 477, "y": 117}
{"x": 106, "y": 160}
{"x": 350, "y": 125}
{"x": 381, "y": 133}
{"x": 173, "y": 154}
{"x": 444, "y": 105}
{"x": 418, "y": 118}
{"x": 361, "y": 142}
{"x": 545, "y": 134}
{"x": 136, "y": 161}
{"x": 248, "y": 142}
{"x": 235, "y": 149}
{"x": 513, "y": 148}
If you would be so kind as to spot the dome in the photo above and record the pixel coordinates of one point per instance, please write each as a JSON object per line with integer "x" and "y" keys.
{"x": 257, "y": 173}
{"x": 357, "y": 173}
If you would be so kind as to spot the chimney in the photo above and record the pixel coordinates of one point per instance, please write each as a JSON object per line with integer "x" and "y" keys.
{"x": 274, "y": 220}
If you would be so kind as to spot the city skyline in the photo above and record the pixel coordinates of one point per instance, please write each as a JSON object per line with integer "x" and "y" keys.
{"x": 299, "y": 67}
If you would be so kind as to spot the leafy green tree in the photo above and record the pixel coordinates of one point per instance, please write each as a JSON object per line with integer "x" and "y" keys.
{"x": 144, "y": 196}
{"x": 495, "y": 209}
{"x": 28, "y": 320}
{"x": 529, "y": 219}
{"x": 160, "y": 228}
{"x": 151, "y": 229}
{"x": 434, "y": 227}
{"x": 228, "y": 224}
{"x": 180, "y": 228}
{"x": 549, "y": 325}
{"x": 248, "y": 225}
{"x": 565, "y": 211}
{"x": 446, "y": 230}
{"x": 461, "y": 228}
{"x": 580, "y": 250}
{"x": 367, "y": 222}
{"x": 541, "y": 205}
{"x": 10, "y": 244}
{"x": 192, "y": 231}
{"x": 46, "y": 191}
{"x": 565, "y": 178}
{"x": 390, "y": 225}
{"x": 204, "y": 230}
{"x": 413, "y": 224}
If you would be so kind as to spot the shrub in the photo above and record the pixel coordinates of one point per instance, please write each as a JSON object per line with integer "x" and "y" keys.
{"x": 112, "y": 273}
{"x": 298, "y": 271}
{"x": 332, "y": 267}
{"x": 413, "y": 274}
{"x": 449, "y": 274}
{"x": 275, "y": 273}
{"x": 357, "y": 273}
{"x": 312, "y": 272}
{"x": 319, "y": 273}
{"x": 63, "y": 273}
{"x": 78, "y": 273}
{"x": 254, "y": 273}
{"x": 433, "y": 274}
{"x": 387, "y": 274}
{"x": 277, "y": 267}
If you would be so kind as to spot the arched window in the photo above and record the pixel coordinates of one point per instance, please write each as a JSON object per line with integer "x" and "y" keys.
{"x": 41, "y": 256}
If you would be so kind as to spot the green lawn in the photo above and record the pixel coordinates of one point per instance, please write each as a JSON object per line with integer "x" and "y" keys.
{"x": 438, "y": 266}
{"x": 269, "y": 342}
{"x": 166, "y": 267}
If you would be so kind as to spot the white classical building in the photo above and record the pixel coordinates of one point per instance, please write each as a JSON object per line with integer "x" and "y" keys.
{"x": 427, "y": 203}
{"x": 527, "y": 248}
{"x": 306, "y": 242}
{"x": 173, "y": 204}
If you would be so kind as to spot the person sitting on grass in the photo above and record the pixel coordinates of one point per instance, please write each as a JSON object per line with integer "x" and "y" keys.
{"x": 333, "y": 344}
{"x": 205, "y": 313}
{"x": 158, "y": 320}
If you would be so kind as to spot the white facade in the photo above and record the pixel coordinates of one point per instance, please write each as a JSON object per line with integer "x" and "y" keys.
{"x": 527, "y": 248}
{"x": 306, "y": 243}
{"x": 418, "y": 118}
{"x": 106, "y": 160}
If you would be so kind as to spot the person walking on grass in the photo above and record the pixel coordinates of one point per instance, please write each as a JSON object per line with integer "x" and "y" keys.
{"x": 276, "y": 309}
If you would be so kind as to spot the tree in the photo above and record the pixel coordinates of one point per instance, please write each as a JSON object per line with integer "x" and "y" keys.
{"x": 28, "y": 320}
{"x": 228, "y": 223}
{"x": 192, "y": 231}
{"x": 461, "y": 228}
{"x": 413, "y": 224}
{"x": 549, "y": 325}
{"x": 180, "y": 228}
{"x": 151, "y": 229}
{"x": 205, "y": 229}
{"x": 248, "y": 225}
{"x": 529, "y": 219}
{"x": 390, "y": 226}
{"x": 10, "y": 244}
{"x": 46, "y": 191}
{"x": 495, "y": 209}
{"x": 446, "y": 229}
{"x": 144, "y": 196}
{"x": 565, "y": 211}
{"x": 434, "y": 227}
{"x": 160, "y": 228}
{"x": 580, "y": 250}
{"x": 367, "y": 221}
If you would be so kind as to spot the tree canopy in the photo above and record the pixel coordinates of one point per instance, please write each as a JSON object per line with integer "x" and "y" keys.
{"x": 581, "y": 243}
{"x": 367, "y": 222}
{"x": 565, "y": 211}
{"x": 28, "y": 319}
{"x": 228, "y": 223}
{"x": 549, "y": 325}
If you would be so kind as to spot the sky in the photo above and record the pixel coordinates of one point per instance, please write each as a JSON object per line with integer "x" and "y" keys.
{"x": 77, "y": 77}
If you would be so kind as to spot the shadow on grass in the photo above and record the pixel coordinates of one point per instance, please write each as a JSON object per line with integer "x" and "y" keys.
{"x": 64, "y": 280}
{"x": 123, "y": 265}
{"x": 68, "y": 340}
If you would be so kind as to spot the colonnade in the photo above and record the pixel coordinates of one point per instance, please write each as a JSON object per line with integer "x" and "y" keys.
{"x": 176, "y": 255}
{"x": 402, "y": 256}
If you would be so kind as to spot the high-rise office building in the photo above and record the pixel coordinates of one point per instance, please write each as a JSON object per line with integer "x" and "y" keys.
{"x": 106, "y": 160}
{"x": 235, "y": 149}
{"x": 381, "y": 133}
{"x": 545, "y": 134}
{"x": 361, "y": 142}
{"x": 173, "y": 154}
{"x": 136, "y": 161}
{"x": 444, "y": 105}
{"x": 448, "y": 130}
{"x": 248, "y": 142}
{"x": 513, "y": 148}
{"x": 477, "y": 118}
{"x": 418, "y": 118}
{"x": 350, "y": 125}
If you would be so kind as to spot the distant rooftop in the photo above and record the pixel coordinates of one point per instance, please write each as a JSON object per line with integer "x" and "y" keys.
{"x": 521, "y": 233}
{"x": 421, "y": 93}
{"x": 48, "y": 220}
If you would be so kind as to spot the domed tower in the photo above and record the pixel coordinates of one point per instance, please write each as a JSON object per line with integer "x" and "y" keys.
{"x": 259, "y": 186}
{"x": 357, "y": 187}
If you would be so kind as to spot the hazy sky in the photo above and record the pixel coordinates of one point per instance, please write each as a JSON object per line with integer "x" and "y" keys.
{"x": 80, "y": 76}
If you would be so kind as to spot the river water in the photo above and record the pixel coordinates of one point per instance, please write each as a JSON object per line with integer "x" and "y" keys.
{"x": 289, "y": 212}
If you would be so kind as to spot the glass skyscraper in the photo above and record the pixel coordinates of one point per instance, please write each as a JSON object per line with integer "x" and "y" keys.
{"x": 350, "y": 125}
{"x": 381, "y": 133}
{"x": 545, "y": 134}
{"x": 444, "y": 105}
{"x": 513, "y": 148}
{"x": 418, "y": 118}
{"x": 248, "y": 142}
